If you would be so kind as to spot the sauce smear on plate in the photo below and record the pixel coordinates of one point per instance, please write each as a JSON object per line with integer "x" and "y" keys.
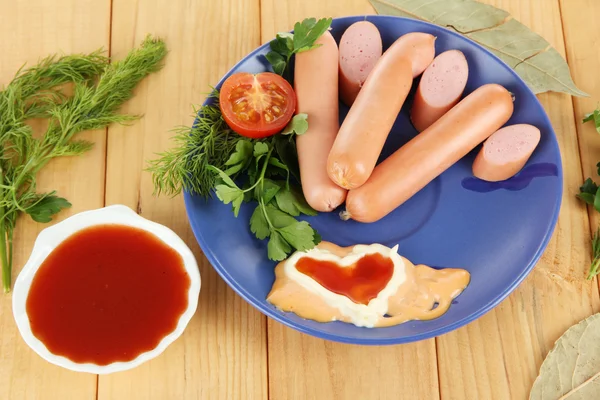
{"x": 360, "y": 282}
{"x": 107, "y": 293}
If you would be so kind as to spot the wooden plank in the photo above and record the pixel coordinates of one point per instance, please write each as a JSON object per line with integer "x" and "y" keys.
{"x": 32, "y": 30}
{"x": 581, "y": 40}
{"x": 222, "y": 354}
{"x": 499, "y": 355}
{"x": 303, "y": 367}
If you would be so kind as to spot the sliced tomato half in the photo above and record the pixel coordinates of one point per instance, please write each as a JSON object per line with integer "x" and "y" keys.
{"x": 257, "y": 105}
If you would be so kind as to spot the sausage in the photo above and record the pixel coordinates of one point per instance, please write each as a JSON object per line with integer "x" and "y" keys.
{"x": 360, "y": 49}
{"x": 506, "y": 152}
{"x": 430, "y": 153}
{"x": 440, "y": 88}
{"x": 371, "y": 117}
{"x": 316, "y": 87}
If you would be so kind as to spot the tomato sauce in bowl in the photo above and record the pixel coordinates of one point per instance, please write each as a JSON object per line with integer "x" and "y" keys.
{"x": 105, "y": 290}
{"x": 107, "y": 293}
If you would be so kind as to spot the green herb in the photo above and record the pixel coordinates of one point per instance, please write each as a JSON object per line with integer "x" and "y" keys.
{"x": 211, "y": 157}
{"x": 590, "y": 194}
{"x": 209, "y": 141}
{"x": 277, "y": 201}
{"x": 594, "y": 116}
{"x": 594, "y": 268}
{"x": 298, "y": 125}
{"x": 286, "y": 44}
{"x": 99, "y": 91}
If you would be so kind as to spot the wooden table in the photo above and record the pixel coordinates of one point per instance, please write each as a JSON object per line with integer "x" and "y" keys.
{"x": 230, "y": 350}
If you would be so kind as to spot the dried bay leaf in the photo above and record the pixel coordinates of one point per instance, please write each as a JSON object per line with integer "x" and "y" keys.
{"x": 571, "y": 370}
{"x": 529, "y": 54}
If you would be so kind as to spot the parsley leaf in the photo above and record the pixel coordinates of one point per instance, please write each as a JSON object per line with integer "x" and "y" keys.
{"x": 260, "y": 148}
{"x": 278, "y": 248}
{"x": 593, "y": 116}
{"x": 233, "y": 195}
{"x": 292, "y": 201}
{"x": 307, "y": 32}
{"x": 286, "y": 150}
{"x": 278, "y": 62}
{"x": 240, "y": 158}
{"x": 298, "y": 125}
{"x": 278, "y": 218}
{"x": 269, "y": 190}
{"x": 299, "y": 235}
{"x": 589, "y": 193}
{"x": 589, "y": 186}
{"x": 287, "y": 44}
{"x": 226, "y": 179}
{"x": 44, "y": 207}
{"x": 258, "y": 224}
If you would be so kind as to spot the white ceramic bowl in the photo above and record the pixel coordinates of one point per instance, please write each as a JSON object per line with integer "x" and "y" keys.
{"x": 51, "y": 237}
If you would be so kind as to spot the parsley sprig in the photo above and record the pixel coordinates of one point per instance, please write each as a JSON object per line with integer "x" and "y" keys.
{"x": 278, "y": 202}
{"x": 286, "y": 44}
{"x": 590, "y": 194}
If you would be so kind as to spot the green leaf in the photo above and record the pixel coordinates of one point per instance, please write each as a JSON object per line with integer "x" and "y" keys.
{"x": 597, "y": 201}
{"x": 589, "y": 187}
{"x": 45, "y": 207}
{"x": 237, "y": 204}
{"x": 242, "y": 153}
{"x": 258, "y": 224}
{"x": 274, "y": 161}
{"x": 298, "y": 125}
{"x": 231, "y": 171}
{"x": 283, "y": 44}
{"x": 594, "y": 116}
{"x": 277, "y": 62}
{"x": 228, "y": 194}
{"x": 260, "y": 148}
{"x": 278, "y": 218}
{"x": 292, "y": 201}
{"x": 307, "y": 32}
{"x": 587, "y": 197}
{"x": 299, "y": 235}
{"x": 226, "y": 179}
{"x": 270, "y": 188}
{"x": 317, "y": 238}
{"x": 530, "y": 55}
{"x": 278, "y": 248}
{"x": 286, "y": 150}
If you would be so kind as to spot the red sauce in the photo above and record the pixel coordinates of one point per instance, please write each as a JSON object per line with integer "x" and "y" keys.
{"x": 360, "y": 282}
{"x": 107, "y": 293}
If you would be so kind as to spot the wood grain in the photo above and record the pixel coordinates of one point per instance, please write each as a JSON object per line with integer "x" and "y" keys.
{"x": 582, "y": 39}
{"x": 499, "y": 355}
{"x": 222, "y": 354}
{"x": 32, "y": 30}
{"x": 303, "y": 367}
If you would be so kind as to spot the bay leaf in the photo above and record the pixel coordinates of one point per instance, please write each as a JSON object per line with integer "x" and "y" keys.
{"x": 571, "y": 370}
{"x": 529, "y": 54}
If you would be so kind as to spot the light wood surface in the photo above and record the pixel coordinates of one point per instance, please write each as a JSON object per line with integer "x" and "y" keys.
{"x": 230, "y": 350}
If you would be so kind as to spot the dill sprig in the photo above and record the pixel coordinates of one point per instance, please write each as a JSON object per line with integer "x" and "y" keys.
{"x": 186, "y": 166}
{"x": 99, "y": 90}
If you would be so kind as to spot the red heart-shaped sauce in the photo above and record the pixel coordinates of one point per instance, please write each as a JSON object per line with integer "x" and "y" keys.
{"x": 361, "y": 282}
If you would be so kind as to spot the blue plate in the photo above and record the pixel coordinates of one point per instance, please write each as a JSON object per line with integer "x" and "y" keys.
{"x": 497, "y": 231}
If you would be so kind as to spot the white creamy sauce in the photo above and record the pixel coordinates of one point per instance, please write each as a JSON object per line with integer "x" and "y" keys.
{"x": 360, "y": 314}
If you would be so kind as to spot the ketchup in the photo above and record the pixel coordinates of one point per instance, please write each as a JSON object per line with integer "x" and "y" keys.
{"x": 360, "y": 282}
{"x": 107, "y": 293}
